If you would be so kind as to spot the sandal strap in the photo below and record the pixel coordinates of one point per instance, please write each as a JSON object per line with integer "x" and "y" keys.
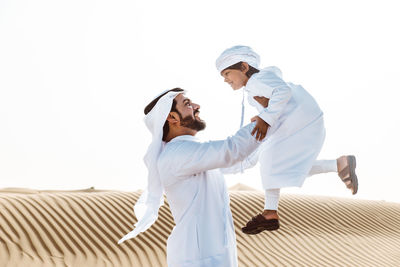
{"x": 344, "y": 172}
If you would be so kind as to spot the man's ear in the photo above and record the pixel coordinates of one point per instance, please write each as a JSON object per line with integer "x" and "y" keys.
{"x": 244, "y": 67}
{"x": 173, "y": 117}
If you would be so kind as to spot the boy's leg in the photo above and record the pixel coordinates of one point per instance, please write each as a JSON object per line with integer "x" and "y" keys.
{"x": 347, "y": 172}
{"x": 271, "y": 204}
{"x": 344, "y": 166}
{"x": 272, "y": 199}
{"x": 323, "y": 166}
{"x": 269, "y": 219}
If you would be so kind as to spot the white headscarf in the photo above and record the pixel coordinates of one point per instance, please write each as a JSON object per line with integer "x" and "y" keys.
{"x": 233, "y": 55}
{"x": 146, "y": 208}
{"x": 236, "y": 54}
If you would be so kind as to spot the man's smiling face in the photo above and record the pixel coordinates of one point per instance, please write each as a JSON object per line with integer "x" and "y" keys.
{"x": 189, "y": 113}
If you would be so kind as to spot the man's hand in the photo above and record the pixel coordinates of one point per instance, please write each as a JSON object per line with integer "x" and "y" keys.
{"x": 261, "y": 128}
{"x": 263, "y": 101}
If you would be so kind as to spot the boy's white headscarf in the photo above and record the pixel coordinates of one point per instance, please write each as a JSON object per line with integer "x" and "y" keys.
{"x": 233, "y": 55}
{"x": 146, "y": 208}
{"x": 236, "y": 54}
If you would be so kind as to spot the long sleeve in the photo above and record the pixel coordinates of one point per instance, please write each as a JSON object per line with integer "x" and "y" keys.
{"x": 268, "y": 83}
{"x": 280, "y": 97}
{"x": 186, "y": 158}
{"x": 247, "y": 163}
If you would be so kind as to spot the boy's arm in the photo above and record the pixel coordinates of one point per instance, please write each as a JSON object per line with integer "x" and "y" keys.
{"x": 261, "y": 128}
{"x": 281, "y": 95}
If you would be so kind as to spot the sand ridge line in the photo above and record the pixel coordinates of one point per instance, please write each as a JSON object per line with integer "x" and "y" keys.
{"x": 82, "y": 227}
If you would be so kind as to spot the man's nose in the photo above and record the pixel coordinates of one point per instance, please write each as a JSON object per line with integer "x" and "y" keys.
{"x": 226, "y": 80}
{"x": 195, "y": 106}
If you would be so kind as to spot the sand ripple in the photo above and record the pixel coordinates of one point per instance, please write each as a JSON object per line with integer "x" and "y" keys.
{"x": 81, "y": 228}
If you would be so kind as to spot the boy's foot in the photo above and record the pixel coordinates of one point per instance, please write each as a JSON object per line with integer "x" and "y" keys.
{"x": 259, "y": 223}
{"x": 347, "y": 172}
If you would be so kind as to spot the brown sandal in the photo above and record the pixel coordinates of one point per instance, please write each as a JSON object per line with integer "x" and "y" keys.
{"x": 258, "y": 224}
{"x": 348, "y": 174}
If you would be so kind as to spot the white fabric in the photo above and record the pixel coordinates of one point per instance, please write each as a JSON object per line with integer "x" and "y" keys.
{"x": 242, "y": 114}
{"x": 296, "y": 132}
{"x": 146, "y": 208}
{"x": 323, "y": 166}
{"x": 198, "y": 198}
{"x": 236, "y": 54}
{"x": 247, "y": 163}
{"x": 272, "y": 199}
{"x": 319, "y": 166}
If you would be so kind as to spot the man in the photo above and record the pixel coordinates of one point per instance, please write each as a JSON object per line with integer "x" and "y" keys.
{"x": 189, "y": 171}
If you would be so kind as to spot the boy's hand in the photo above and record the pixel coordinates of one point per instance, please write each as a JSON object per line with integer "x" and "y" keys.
{"x": 261, "y": 128}
{"x": 263, "y": 101}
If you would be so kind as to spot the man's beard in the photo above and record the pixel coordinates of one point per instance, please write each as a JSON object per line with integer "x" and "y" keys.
{"x": 193, "y": 123}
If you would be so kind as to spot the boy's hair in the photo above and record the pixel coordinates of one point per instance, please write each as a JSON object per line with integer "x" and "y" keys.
{"x": 238, "y": 66}
{"x": 151, "y": 105}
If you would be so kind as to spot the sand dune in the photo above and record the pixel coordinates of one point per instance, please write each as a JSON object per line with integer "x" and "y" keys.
{"x": 81, "y": 228}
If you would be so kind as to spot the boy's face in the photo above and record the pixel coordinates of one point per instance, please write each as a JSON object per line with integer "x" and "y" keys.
{"x": 235, "y": 78}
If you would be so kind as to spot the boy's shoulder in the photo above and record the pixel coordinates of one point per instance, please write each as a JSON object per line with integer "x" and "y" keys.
{"x": 265, "y": 75}
{"x": 272, "y": 70}
{"x": 262, "y": 83}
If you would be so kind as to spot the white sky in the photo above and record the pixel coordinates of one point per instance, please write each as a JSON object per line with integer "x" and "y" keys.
{"x": 75, "y": 76}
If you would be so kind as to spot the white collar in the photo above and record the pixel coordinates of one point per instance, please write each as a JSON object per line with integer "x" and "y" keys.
{"x": 186, "y": 137}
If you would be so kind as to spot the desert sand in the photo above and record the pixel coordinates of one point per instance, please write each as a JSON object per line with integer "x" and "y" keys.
{"x": 81, "y": 228}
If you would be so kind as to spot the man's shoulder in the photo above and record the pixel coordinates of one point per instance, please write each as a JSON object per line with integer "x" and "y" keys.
{"x": 181, "y": 142}
{"x": 173, "y": 158}
{"x": 176, "y": 148}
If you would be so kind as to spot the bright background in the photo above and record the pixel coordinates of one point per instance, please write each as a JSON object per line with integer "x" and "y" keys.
{"x": 75, "y": 76}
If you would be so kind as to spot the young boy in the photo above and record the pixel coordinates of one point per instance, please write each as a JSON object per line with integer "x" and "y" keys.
{"x": 293, "y": 125}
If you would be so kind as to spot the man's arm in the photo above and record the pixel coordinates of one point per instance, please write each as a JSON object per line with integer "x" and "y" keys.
{"x": 247, "y": 163}
{"x": 189, "y": 158}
